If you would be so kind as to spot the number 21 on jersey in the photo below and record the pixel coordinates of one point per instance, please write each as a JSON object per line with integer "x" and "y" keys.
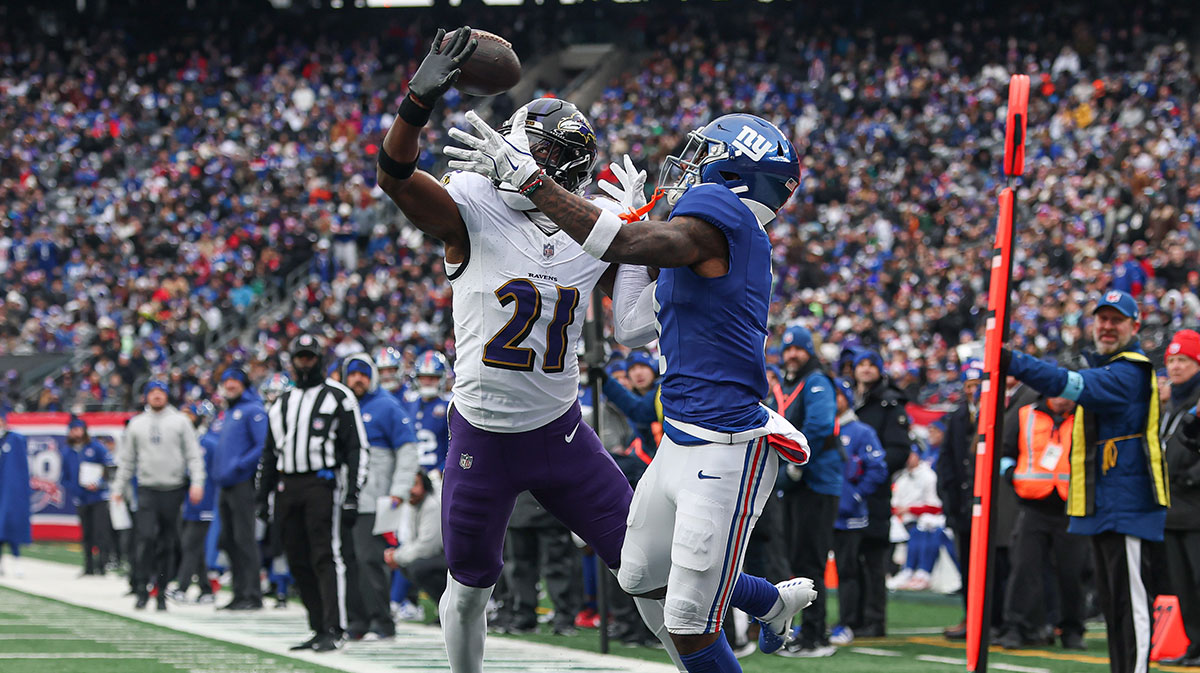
{"x": 504, "y": 350}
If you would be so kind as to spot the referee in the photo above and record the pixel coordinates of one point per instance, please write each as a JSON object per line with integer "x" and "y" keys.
{"x": 313, "y": 461}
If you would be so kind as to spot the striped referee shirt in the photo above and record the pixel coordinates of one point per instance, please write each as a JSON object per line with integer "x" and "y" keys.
{"x": 313, "y": 429}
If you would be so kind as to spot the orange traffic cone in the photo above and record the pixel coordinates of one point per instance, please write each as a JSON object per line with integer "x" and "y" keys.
{"x": 831, "y": 578}
{"x": 1169, "y": 640}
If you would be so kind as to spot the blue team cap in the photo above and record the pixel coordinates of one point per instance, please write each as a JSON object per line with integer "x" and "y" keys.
{"x": 155, "y": 385}
{"x": 76, "y": 422}
{"x": 236, "y": 373}
{"x": 800, "y": 337}
{"x": 616, "y": 366}
{"x": 845, "y": 388}
{"x": 870, "y": 356}
{"x": 972, "y": 373}
{"x": 640, "y": 358}
{"x": 1122, "y": 301}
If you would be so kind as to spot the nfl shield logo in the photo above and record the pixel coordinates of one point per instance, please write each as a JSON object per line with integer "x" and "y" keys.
{"x": 548, "y": 250}
{"x": 465, "y": 461}
{"x": 318, "y": 424}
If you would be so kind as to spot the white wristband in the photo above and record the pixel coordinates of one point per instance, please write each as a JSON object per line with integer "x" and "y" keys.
{"x": 604, "y": 230}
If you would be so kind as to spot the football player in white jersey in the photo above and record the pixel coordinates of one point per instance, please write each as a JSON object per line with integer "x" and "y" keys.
{"x": 521, "y": 291}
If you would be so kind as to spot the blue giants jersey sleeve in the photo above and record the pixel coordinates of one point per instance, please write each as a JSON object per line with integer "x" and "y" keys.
{"x": 433, "y": 432}
{"x": 713, "y": 330}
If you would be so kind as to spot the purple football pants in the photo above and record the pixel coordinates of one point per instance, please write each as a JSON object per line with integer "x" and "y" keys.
{"x": 563, "y": 464}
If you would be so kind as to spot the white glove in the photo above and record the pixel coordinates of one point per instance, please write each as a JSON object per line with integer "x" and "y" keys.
{"x": 795, "y": 472}
{"x": 501, "y": 158}
{"x": 630, "y": 191}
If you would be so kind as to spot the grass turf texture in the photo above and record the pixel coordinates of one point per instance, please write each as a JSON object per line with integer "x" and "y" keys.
{"x": 38, "y": 635}
{"x": 906, "y": 613}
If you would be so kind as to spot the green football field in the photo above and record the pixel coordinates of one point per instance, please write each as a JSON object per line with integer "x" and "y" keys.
{"x": 39, "y": 635}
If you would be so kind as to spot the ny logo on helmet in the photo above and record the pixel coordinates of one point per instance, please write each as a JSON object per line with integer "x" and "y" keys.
{"x": 750, "y": 143}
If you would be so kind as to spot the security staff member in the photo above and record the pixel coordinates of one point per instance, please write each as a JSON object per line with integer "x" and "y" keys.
{"x": 881, "y": 406}
{"x": 1036, "y": 462}
{"x": 312, "y": 460}
{"x": 805, "y": 396}
{"x": 391, "y": 464}
{"x": 1180, "y": 432}
{"x": 1119, "y": 492}
{"x": 160, "y": 446}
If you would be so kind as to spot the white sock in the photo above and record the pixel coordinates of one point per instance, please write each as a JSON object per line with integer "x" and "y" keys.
{"x": 464, "y": 624}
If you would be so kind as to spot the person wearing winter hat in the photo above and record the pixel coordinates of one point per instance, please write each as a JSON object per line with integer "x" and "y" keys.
{"x": 83, "y": 475}
{"x": 159, "y": 446}
{"x": 1180, "y": 434}
{"x": 805, "y": 397}
{"x": 881, "y": 406}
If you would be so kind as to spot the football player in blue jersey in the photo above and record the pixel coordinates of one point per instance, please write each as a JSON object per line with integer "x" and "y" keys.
{"x": 688, "y": 528}
{"x": 430, "y": 412}
{"x": 390, "y": 365}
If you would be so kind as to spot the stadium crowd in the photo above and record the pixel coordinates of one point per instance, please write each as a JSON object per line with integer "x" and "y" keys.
{"x": 153, "y": 192}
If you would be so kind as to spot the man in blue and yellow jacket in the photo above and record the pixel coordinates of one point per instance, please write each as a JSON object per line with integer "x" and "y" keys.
{"x": 1119, "y": 490}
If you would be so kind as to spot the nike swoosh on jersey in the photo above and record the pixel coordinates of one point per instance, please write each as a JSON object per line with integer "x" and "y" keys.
{"x": 700, "y": 474}
{"x": 572, "y": 435}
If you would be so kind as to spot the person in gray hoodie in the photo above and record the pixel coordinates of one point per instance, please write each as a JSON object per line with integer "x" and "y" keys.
{"x": 160, "y": 447}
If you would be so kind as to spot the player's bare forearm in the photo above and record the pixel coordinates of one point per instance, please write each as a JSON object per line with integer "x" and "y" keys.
{"x": 683, "y": 241}
{"x": 422, "y": 199}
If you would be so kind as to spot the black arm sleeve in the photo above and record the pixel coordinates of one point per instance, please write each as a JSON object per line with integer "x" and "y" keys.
{"x": 1012, "y": 436}
{"x": 896, "y": 442}
{"x": 268, "y": 468}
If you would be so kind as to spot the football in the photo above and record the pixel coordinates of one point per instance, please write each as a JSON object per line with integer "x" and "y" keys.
{"x": 493, "y": 68}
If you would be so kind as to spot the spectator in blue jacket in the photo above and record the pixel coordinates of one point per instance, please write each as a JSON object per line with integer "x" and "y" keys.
{"x": 810, "y": 493}
{"x": 238, "y": 450}
{"x": 638, "y": 403}
{"x": 392, "y": 463}
{"x": 865, "y": 471}
{"x": 198, "y": 517}
{"x": 1118, "y": 491}
{"x": 83, "y": 475}
{"x": 15, "y": 492}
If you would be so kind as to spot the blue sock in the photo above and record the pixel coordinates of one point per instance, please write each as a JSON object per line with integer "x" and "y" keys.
{"x": 716, "y": 658}
{"x": 589, "y": 578}
{"x": 754, "y": 595}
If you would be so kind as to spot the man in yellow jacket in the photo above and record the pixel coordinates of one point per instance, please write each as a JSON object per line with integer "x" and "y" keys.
{"x": 1036, "y": 461}
{"x": 1119, "y": 491}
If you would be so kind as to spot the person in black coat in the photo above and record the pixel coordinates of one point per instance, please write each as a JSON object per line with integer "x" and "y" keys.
{"x": 881, "y": 406}
{"x": 1179, "y": 431}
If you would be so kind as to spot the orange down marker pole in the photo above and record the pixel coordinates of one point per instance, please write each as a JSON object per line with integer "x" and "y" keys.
{"x": 992, "y": 398}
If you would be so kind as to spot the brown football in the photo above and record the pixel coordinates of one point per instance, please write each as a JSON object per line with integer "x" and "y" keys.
{"x": 493, "y": 68}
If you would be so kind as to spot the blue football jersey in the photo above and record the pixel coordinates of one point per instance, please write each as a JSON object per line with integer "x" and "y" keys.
{"x": 713, "y": 331}
{"x": 433, "y": 432}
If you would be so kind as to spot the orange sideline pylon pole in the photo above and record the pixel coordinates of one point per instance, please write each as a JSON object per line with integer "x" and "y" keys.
{"x": 991, "y": 404}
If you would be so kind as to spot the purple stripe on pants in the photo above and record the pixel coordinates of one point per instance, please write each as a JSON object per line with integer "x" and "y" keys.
{"x": 577, "y": 481}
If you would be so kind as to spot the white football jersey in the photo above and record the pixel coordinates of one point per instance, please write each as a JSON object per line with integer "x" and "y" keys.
{"x": 520, "y": 301}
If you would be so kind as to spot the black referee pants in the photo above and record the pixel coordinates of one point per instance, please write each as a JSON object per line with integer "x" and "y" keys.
{"x": 308, "y": 509}
{"x": 158, "y": 517}
{"x": 1128, "y": 615}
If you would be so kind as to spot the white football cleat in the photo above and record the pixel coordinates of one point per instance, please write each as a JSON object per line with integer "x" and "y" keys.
{"x": 796, "y": 595}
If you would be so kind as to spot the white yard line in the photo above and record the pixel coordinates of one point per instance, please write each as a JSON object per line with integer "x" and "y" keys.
{"x": 415, "y": 648}
{"x": 875, "y": 652}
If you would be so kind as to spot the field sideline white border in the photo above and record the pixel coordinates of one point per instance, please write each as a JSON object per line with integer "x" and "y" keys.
{"x": 61, "y": 582}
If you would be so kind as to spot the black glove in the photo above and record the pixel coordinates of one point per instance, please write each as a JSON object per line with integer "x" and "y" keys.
{"x": 439, "y": 70}
{"x": 1008, "y": 474}
{"x": 1190, "y": 428}
{"x": 264, "y": 512}
{"x": 597, "y": 375}
{"x": 349, "y": 515}
{"x": 1005, "y": 359}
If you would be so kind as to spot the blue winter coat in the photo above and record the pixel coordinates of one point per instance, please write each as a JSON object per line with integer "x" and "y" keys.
{"x": 1116, "y": 396}
{"x": 203, "y": 511}
{"x": 243, "y": 428}
{"x": 814, "y": 412}
{"x": 92, "y": 452}
{"x": 15, "y": 492}
{"x": 865, "y": 471}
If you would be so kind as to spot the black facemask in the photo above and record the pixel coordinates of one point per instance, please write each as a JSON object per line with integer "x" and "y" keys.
{"x": 308, "y": 377}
